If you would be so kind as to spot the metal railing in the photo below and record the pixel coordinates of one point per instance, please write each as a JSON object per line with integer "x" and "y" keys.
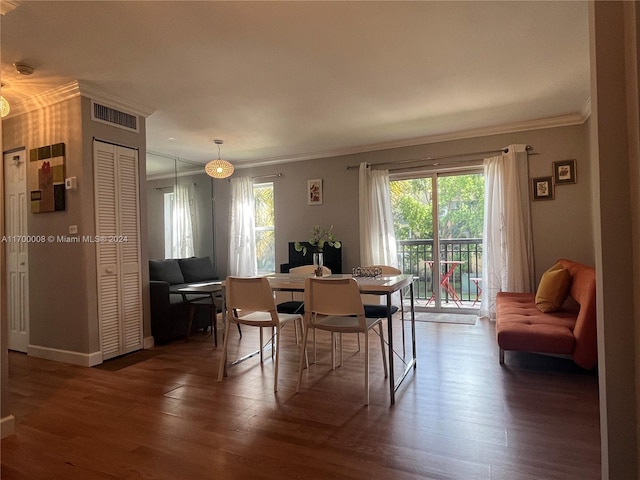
{"x": 415, "y": 257}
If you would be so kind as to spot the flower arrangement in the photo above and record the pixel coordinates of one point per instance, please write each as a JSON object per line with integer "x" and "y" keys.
{"x": 320, "y": 237}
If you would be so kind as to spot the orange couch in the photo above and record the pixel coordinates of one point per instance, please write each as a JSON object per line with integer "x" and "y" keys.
{"x": 570, "y": 330}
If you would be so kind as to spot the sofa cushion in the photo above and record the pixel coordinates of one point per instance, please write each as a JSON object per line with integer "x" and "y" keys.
{"x": 553, "y": 289}
{"x": 166, "y": 271}
{"x": 197, "y": 269}
{"x": 521, "y": 326}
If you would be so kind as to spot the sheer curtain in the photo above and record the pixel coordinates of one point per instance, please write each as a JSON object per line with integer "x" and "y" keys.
{"x": 377, "y": 236}
{"x": 507, "y": 246}
{"x": 242, "y": 236}
{"x": 181, "y": 227}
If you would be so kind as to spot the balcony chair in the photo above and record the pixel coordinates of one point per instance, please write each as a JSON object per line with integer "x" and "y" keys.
{"x": 250, "y": 302}
{"x": 335, "y": 305}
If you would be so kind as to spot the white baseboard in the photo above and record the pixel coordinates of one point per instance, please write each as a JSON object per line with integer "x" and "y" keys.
{"x": 148, "y": 342}
{"x": 7, "y": 426}
{"x": 65, "y": 356}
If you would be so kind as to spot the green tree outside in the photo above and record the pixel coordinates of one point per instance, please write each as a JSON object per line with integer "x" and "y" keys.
{"x": 264, "y": 222}
{"x": 461, "y": 207}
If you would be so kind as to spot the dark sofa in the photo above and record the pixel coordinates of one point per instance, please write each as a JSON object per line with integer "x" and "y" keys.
{"x": 169, "y": 311}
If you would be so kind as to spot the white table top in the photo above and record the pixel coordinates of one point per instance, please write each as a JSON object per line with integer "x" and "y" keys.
{"x": 377, "y": 285}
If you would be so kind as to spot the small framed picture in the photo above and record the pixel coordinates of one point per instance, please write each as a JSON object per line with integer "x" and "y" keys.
{"x": 314, "y": 191}
{"x": 542, "y": 188}
{"x": 564, "y": 172}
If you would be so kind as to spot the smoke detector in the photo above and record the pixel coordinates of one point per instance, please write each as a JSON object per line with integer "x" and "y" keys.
{"x": 24, "y": 69}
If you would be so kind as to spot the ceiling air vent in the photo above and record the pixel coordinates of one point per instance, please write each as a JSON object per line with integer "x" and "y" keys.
{"x": 117, "y": 118}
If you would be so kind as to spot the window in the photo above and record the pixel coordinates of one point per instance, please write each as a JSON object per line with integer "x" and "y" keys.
{"x": 265, "y": 232}
{"x": 168, "y": 229}
{"x": 178, "y": 222}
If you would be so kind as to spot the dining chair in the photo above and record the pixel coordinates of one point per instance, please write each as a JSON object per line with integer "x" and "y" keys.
{"x": 250, "y": 302}
{"x": 297, "y": 306}
{"x": 294, "y": 305}
{"x": 380, "y": 310}
{"x": 335, "y": 305}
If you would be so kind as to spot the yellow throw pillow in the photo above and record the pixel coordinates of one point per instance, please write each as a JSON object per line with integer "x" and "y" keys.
{"x": 553, "y": 289}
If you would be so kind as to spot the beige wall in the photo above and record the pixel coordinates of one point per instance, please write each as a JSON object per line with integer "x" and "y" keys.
{"x": 561, "y": 227}
{"x": 615, "y": 159}
{"x": 62, "y": 276}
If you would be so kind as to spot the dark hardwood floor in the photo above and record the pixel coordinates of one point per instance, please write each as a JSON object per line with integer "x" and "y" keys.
{"x": 163, "y": 415}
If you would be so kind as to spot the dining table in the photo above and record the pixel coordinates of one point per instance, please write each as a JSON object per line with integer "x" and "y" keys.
{"x": 205, "y": 294}
{"x": 382, "y": 285}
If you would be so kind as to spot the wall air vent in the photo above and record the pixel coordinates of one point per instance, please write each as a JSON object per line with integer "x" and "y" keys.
{"x": 117, "y": 118}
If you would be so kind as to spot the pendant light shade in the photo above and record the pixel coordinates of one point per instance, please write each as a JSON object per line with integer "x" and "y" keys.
{"x": 219, "y": 168}
{"x": 4, "y": 107}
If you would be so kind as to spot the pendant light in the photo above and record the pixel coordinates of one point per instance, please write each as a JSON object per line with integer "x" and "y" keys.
{"x": 219, "y": 168}
{"x": 4, "y": 105}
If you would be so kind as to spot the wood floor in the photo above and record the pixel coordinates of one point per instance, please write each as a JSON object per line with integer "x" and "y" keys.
{"x": 459, "y": 415}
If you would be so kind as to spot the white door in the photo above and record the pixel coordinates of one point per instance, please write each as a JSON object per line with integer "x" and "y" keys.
{"x": 16, "y": 243}
{"x": 118, "y": 251}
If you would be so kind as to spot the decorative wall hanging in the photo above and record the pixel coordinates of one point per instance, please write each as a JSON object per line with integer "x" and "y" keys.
{"x": 46, "y": 178}
{"x": 564, "y": 172}
{"x": 542, "y": 188}
{"x": 314, "y": 191}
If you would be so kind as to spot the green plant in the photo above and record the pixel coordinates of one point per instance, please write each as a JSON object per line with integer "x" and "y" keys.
{"x": 320, "y": 237}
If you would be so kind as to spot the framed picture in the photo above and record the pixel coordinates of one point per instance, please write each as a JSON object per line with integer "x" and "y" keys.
{"x": 47, "y": 178}
{"x": 542, "y": 188}
{"x": 564, "y": 172}
{"x": 314, "y": 191}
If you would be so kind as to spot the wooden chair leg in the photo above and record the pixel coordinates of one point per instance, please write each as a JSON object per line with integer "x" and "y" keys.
{"x": 214, "y": 324}
{"x": 501, "y": 357}
{"x": 275, "y": 370}
{"x": 384, "y": 355}
{"x": 366, "y": 368}
{"x": 225, "y": 344}
{"x": 261, "y": 346}
{"x": 305, "y": 334}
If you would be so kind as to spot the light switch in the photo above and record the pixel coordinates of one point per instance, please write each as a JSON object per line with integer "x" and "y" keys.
{"x": 73, "y": 229}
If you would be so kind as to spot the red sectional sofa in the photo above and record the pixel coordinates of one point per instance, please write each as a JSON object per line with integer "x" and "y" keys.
{"x": 571, "y": 330}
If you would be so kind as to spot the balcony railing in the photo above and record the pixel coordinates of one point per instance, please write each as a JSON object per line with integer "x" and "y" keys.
{"x": 414, "y": 257}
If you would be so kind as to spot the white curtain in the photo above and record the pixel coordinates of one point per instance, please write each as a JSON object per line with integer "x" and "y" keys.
{"x": 242, "y": 236}
{"x": 507, "y": 247}
{"x": 181, "y": 226}
{"x": 377, "y": 236}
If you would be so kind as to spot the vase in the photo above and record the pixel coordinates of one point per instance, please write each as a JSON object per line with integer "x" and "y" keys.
{"x": 317, "y": 263}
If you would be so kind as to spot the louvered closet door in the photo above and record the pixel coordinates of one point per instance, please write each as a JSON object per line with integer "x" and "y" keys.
{"x": 118, "y": 249}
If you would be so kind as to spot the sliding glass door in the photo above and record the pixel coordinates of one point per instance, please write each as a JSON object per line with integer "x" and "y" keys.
{"x": 444, "y": 209}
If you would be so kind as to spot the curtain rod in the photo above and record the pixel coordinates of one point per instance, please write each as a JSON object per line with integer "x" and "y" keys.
{"x": 442, "y": 157}
{"x": 268, "y": 176}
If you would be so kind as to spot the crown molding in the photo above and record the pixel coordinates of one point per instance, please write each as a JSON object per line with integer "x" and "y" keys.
{"x": 551, "y": 122}
{"x": 95, "y": 93}
{"x": 75, "y": 89}
{"x": 46, "y": 99}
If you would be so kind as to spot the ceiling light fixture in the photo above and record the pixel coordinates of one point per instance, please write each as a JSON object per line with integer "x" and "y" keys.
{"x": 23, "y": 68}
{"x": 4, "y": 105}
{"x": 219, "y": 168}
